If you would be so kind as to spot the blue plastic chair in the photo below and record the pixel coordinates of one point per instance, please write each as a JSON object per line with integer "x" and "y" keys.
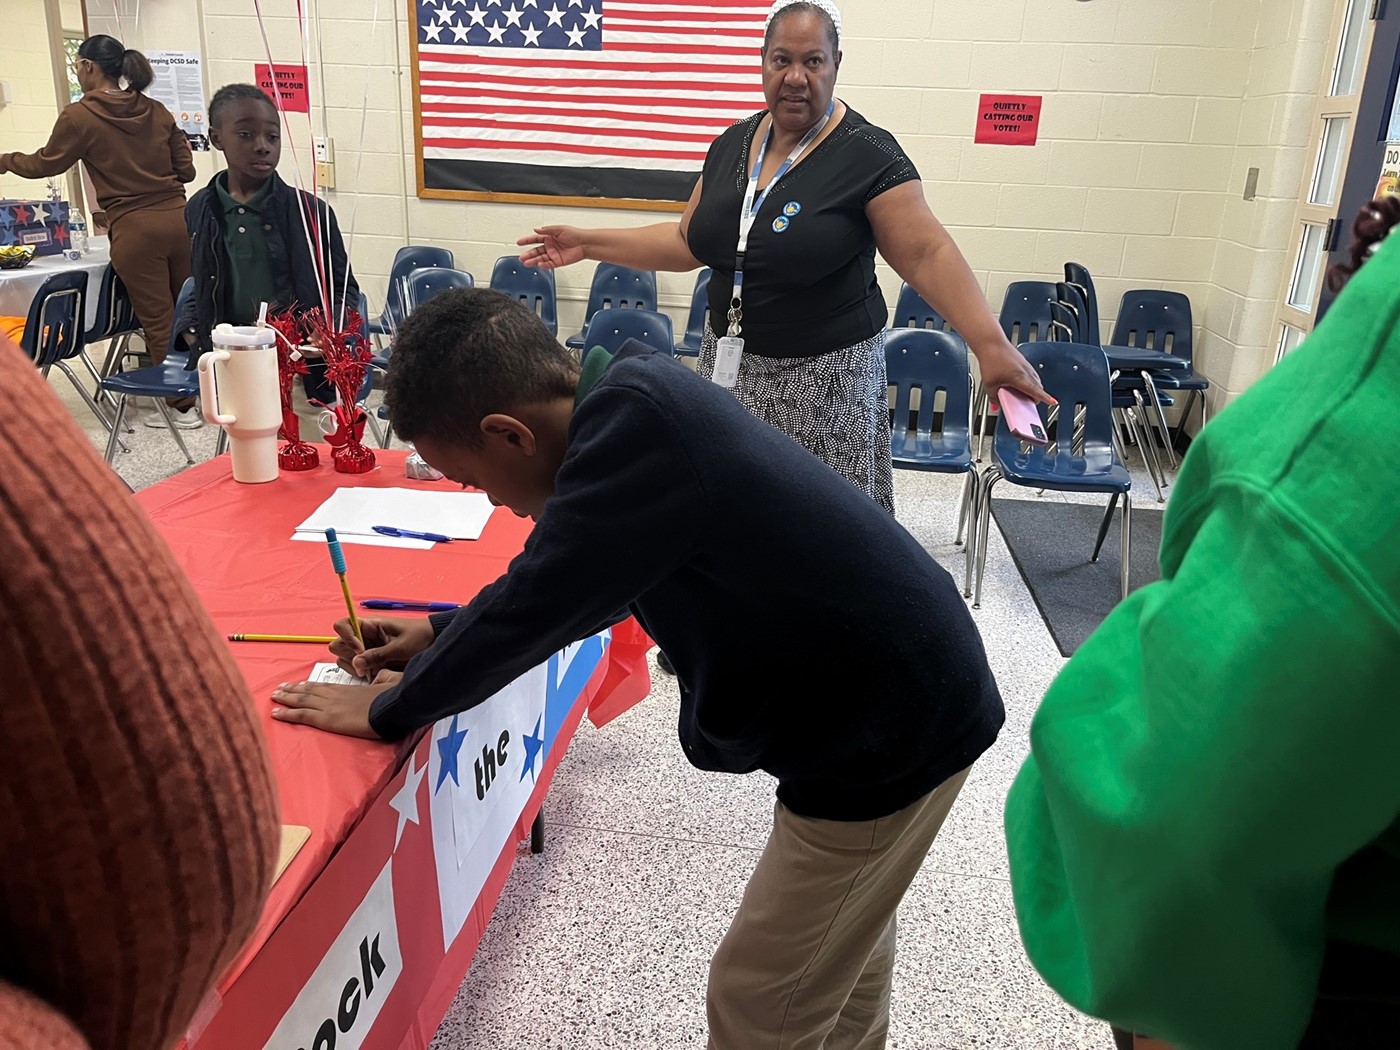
{"x": 53, "y": 332}
{"x": 406, "y": 260}
{"x": 428, "y": 281}
{"x": 616, "y": 288}
{"x": 1077, "y": 276}
{"x": 699, "y": 318}
{"x": 931, "y": 362}
{"x": 1026, "y": 315}
{"x": 116, "y": 321}
{"x": 531, "y": 285}
{"x": 911, "y": 310}
{"x": 1161, "y": 321}
{"x": 610, "y": 328}
{"x": 1080, "y": 458}
{"x": 172, "y": 379}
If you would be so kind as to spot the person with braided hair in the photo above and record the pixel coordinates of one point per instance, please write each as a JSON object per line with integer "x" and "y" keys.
{"x": 1205, "y": 839}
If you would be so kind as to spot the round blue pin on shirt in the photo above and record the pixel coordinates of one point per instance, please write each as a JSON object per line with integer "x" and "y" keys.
{"x": 791, "y": 208}
{"x": 780, "y": 224}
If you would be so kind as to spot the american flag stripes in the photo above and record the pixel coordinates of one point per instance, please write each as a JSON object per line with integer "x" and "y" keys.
{"x": 603, "y": 98}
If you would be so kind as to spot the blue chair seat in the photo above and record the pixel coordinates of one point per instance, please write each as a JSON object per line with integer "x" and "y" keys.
{"x": 914, "y": 451}
{"x": 1036, "y": 468}
{"x": 1135, "y": 358}
{"x": 172, "y": 379}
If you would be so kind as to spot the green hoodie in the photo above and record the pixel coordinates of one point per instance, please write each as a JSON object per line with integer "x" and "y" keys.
{"x": 1214, "y": 779}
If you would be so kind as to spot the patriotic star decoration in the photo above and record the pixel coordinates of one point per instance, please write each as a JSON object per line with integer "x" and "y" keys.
{"x": 513, "y": 23}
{"x": 405, "y": 800}
{"x": 449, "y": 748}
{"x": 534, "y": 743}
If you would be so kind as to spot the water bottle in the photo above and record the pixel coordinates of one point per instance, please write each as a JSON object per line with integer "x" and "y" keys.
{"x": 239, "y": 392}
{"x": 77, "y": 233}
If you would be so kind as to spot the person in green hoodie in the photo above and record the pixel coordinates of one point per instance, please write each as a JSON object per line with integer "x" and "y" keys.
{"x": 139, "y": 161}
{"x": 1204, "y": 841}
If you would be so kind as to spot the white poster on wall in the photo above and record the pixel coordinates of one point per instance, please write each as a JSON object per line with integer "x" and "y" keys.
{"x": 179, "y": 85}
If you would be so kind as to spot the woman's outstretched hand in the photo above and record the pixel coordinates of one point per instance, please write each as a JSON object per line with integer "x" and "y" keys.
{"x": 551, "y": 247}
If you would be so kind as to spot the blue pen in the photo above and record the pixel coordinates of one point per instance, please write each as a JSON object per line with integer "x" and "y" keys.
{"x": 405, "y": 534}
{"x": 395, "y": 603}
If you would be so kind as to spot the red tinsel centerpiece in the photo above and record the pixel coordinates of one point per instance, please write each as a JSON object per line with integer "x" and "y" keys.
{"x": 347, "y": 359}
{"x": 296, "y": 454}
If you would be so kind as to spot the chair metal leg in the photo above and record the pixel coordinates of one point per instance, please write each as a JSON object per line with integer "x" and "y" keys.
{"x": 388, "y": 434}
{"x": 174, "y": 430}
{"x": 221, "y": 445}
{"x": 1103, "y": 526}
{"x": 983, "y": 403}
{"x": 989, "y": 479}
{"x": 115, "y": 435}
{"x": 1127, "y": 539}
{"x": 92, "y": 405}
{"x": 970, "y": 548}
{"x": 374, "y": 427}
{"x": 964, "y": 504}
{"x": 1149, "y": 459}
{"x": 1161, "y": 418}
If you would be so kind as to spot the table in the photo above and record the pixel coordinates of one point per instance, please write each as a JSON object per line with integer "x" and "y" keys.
{"x": 410, "y": 843}
{"x": 18, "y": 287}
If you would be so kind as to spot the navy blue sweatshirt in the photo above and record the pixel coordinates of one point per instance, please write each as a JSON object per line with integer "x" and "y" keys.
{"x": 812, "y": 636}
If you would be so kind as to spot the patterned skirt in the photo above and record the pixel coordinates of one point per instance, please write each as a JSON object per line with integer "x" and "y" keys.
{"x": 834, "y": 405}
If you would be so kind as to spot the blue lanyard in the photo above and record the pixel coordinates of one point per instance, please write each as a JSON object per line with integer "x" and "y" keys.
{"x": 748, "y": 212}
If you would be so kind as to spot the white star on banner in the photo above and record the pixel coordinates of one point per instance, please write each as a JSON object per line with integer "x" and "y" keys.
{"x": 532, "y": 36}
{"x": 433, "y": 33}
{"x": 41, "y": 214}
{"x": 459, "y": 33}
{"x": 498, "y": 33}
{"x": 512, "y": 14}
{"x": 592, "y": 18}
{"x": 477, "y": 15}
{"x": 573, "y": 2}
{"x": 531, "y": 3}
{"x": 555, "y": 16}
{"x": 444, "y": 14}
{"x": 575, "y": 36}
{"x": 405, "y": 800}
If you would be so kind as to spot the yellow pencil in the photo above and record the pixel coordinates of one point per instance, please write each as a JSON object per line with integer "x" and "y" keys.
{"x": 338, "y": 563}
{"x": 313, "y": 638}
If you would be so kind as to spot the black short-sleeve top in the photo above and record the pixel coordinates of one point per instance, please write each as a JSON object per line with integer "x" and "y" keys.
{"x": 809, "y": 273}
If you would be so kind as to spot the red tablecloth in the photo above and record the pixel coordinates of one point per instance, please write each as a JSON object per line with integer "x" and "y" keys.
{"x": 234, "y": 543}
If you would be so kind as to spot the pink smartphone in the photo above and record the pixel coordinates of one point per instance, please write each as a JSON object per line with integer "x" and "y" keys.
{"x": 1022, "y": 416}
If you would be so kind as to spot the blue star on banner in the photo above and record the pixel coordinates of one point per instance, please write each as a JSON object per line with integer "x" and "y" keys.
{"x": 448, "y": 748}
{"x": 563, "y": 25}
{"x": 534, "y": 743}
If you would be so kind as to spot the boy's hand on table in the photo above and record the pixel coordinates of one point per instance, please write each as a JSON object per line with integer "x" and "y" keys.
{"x": 389, "y": 644}
{"x": 342, "y": 709}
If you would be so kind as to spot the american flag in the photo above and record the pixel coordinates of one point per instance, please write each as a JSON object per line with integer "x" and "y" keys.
{"x": 612, "y": 98}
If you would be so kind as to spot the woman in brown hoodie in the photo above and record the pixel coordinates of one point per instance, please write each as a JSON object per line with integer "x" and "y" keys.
{"x": 138, "y": 160}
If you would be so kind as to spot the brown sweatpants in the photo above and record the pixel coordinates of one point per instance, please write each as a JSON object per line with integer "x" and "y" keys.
{"x": 809, "y": 958}
{"x": 151, "y": 254}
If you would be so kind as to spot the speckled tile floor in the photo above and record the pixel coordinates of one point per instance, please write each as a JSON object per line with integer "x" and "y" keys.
{"x": 604, "y": 940}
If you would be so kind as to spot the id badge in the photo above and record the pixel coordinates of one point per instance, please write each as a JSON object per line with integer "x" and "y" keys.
{"x": 728, "y": 353}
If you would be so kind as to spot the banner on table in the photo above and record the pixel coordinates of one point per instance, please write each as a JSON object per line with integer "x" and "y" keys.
{"x": 597, "y": 101}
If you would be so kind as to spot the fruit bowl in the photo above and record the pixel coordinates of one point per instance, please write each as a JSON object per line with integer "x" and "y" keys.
{"x": 16, "y": 257}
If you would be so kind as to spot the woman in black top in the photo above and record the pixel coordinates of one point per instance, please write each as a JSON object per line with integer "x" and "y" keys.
{"x": 813, "y": 358}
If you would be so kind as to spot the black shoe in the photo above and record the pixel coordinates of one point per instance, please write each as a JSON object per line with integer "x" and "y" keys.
{"x": 663, "y": 662}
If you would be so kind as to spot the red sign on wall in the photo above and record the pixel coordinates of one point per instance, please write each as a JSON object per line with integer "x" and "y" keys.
{"x": 291, "y": 85}
{"x": 1008, "y": 120}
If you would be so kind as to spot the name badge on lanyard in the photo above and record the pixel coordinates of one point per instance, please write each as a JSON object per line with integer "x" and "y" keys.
{"x": 730, "y": 350}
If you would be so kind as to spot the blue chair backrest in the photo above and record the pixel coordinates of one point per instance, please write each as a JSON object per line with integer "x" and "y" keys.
{"x": 912, "y": 311}
{"x": 1076, "y": 375}
{"x": 426, "y": 282}
{"x": 1025, "y": 311}
{"x": 611, "y": 328}
{"x": 406, "y": 260}
{"x": 1064, "y": 324}
{"x": 1155, "y": 319}
{"x": 53, "y": 328}
{"x": 699, "y": 309}
{"x": 1078, "y": 276}
{"x": 929, "y": 362}
{"x": 115, "y": 314}
{"x": 621, "y": 288}
{"x": 531, "y": 285}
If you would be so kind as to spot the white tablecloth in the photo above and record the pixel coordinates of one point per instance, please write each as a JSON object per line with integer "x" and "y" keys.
{"x": 18, "y": 287}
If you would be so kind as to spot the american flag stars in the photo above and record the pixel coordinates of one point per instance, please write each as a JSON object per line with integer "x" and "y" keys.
{"x": 577, "y": 24}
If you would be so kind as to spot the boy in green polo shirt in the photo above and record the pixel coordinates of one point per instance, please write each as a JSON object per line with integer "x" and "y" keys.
{"x": 252, "y": 235}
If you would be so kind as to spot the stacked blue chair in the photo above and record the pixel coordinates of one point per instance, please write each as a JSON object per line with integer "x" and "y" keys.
{"x": 689, "y": 346}
{"x": 171, "y": 379}
{"x": 911, "y": 310}
{"x": 406, "y": 260}
{"x": 531, "y": 285}
{"x": 116, "y": 321}
{"x": 1025, "y": 318}
{"x": 932, "y": 362}
{"x": 616, "y": 288}
{"x": 53, "y": 332}
{"x": 1161, "y": 321}
{"x": 1079, "y": 459}
{"x": 428, "y": 281}
{"x": 611, "y": 328}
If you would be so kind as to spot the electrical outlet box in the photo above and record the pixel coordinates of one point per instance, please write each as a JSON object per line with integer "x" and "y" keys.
{"x": 7, "y": 93}
{"x": 325, "y": 175}
{"x": 324, "y": 154}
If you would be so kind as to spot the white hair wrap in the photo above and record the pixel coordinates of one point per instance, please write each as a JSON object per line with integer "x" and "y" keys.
{"x": 825, "y": 6}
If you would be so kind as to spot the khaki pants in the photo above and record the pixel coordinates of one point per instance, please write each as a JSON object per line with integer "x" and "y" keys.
{"x": 808, "y": 960}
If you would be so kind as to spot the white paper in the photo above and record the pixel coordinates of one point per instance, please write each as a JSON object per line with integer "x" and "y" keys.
{"x": 372, "y": 540}
{"x": 334, "y": 674}
{"x": 355, "y": 512}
